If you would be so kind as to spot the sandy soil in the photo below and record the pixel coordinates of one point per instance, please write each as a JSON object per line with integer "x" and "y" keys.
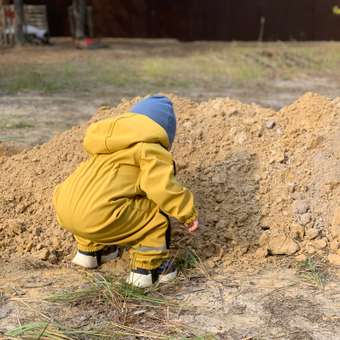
{"x": 253, "y": 297}
{"x": 265, "y": 302}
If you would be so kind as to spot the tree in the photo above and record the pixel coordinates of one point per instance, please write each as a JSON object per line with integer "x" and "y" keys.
{"x": 79, "y": 15}
{"x": 19, "y": 22}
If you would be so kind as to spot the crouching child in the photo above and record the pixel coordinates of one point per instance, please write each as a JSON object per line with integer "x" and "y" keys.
{"x": 124, "y": 192}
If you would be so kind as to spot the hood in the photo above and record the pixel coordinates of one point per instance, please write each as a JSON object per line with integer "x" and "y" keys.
{"x": 160, "y": 110}
{"x": 118, "y": 133}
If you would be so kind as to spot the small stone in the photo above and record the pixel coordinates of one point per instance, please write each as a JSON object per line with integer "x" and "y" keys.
{"x": 335, "y": 227}
{"x": 29, "y": 246}
{"x": 219, "y": 198}
{"x": 270, "y": 124}
{"x": 40, "y": 246}
{"x": 301, "y": 257}
{"x": 334, "y": 259}
{"x": 300, "y": 207}
{"x": 310, "y": 249}
{"x": 291, "y": 187}
{"x": 264, "y": 239}
{"x": 334, "y": 245}
{"x": 221, "y": 224}
{"x": 43, "y": 254}
{"x": 261, "y": 253}
{"x": 305, "y": 218}
{"x": 297, "y": 232}
{"x": 311, "y": 234}
{"x": 282, "y": 245}
{"x": 219, "y": 178}
{"x": 320, "y": 244}
{"x": 52, "y": 258}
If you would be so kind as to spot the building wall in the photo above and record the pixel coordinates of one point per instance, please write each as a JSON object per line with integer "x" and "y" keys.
{"x": 205, "y": 20}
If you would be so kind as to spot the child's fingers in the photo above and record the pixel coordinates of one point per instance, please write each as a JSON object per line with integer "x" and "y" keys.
{"x": 193, "y": 227}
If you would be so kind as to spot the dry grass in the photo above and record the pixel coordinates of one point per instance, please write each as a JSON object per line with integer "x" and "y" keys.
{"x": 131, "y": 312}
{"x": 181, "y": 67}
{"x": 312, "y": 273}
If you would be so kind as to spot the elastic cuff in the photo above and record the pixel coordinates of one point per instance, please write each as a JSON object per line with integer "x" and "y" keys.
{"x": 146, "y": 265}
{"x": 192, "y": 218}
{"x": 90, "y": 249}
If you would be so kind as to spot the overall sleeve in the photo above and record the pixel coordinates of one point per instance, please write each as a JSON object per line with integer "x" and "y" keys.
{"x": 160, "y": 185}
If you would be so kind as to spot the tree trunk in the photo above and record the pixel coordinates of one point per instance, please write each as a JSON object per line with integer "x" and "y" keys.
{"x": 79, "y": 14}
{"x": 19, "y": 22}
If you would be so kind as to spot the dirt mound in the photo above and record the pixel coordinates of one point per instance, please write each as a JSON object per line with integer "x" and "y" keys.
{"x": 9, "y": 149}
{"x": 261, "y": 178}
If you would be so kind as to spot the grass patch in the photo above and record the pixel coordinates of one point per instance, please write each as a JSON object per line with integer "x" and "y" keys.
{"x": 108, "y": 290}
{"x": 187, "y": 260}
{"x": 15, "y": 125}
{"x": 53, "y": 331}
{"x": 312, "y": 273}
{"x": 183, "y": 66}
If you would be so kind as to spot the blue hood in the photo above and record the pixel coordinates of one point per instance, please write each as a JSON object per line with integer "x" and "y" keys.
{"x": 159, "y": 109}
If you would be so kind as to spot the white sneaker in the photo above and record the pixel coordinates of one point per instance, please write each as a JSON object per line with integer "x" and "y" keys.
{"x": 141, "y": 278}
{"x": 166, "y": 272}
{"x": 144, "y": 278}
{"x": 92, "y": 260}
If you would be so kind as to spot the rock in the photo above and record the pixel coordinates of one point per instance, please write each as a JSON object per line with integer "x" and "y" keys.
{"x": 241, "y": 137}
{"x": 319, "y": 244}
{"x": 334, "y": 259}
{"x": 42, "y": 254}
{"x": 311, "y": 234}
{"x": 261, "y": 252}
{"x": 240, "y": 250}
{"x": 310, "y": 249}
{"x": 282, "y": 245}
{"x": 297, "y": 232}
{"x": 219, "y": 198}
{"x": 277, "y": 156}
{"x": 40, "y": 246}
{"x": 52, "y": 258}
{"x": 335, "y": 226}
{"x": 334, "y": 245}
{"x": 221, "y": 224}
{"x": 264, "y": 239}
{"x": 301, "y": 257}
{"x": 300, "y": 207}
{"x": 15, "y": 227}
{"x": 219, "y": 178}
{"x": 291, "y": 187}
{"x": 270, "y": 124}
{"x": 305, "y": 218}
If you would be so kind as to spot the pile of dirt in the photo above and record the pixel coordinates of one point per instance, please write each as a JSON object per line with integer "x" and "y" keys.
{"x": 9, "y": 149}
{"x": 265, "y": 182}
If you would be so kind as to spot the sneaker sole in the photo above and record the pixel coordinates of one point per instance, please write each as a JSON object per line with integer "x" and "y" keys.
{"x": 164, "y": 278}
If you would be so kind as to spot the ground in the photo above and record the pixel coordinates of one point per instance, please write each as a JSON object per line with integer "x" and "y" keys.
{"x": 46, "y": 90}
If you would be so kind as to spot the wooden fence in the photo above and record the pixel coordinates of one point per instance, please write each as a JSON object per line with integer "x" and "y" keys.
{"x": 35, "y": 15}
{"x": 205, "y": 20}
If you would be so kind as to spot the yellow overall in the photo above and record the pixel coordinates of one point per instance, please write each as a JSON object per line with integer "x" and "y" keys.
{"x": 123, "y": 193}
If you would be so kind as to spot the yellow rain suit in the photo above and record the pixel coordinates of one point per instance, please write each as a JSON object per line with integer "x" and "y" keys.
{"x": 123, "y": 193}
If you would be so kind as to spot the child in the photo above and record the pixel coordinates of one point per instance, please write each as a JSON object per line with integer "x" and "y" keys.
{"x": 123, "y": 194}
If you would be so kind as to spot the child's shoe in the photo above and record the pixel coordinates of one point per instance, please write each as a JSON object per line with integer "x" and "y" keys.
{"x": 166, "y": 272}
{"x": 92, "y": 260}
{"x": 144, "y": 278}
{"x": 141, "y": 278}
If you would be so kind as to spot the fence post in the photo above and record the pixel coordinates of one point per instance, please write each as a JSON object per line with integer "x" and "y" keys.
{"x": 19, "y": 22}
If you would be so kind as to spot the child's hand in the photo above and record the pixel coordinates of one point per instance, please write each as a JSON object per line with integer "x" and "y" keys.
{"x": 193, "y": 226}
